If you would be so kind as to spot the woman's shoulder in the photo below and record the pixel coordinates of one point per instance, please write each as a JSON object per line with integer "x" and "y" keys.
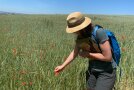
{"x": 101, "y": 35}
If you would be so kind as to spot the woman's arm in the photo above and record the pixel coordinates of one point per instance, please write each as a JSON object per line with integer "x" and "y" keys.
{"x": 105, "y": 55}
{"x": 70, "y": 58}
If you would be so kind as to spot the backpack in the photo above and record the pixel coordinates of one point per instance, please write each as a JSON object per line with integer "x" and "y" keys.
{"x": 116, "y": 53}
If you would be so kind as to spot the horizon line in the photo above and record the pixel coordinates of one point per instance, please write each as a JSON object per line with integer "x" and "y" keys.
{"x": 64, "y": 13}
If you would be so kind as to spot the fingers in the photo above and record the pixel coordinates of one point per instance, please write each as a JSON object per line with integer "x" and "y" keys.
{"x": 56, "y": 72}
{"x": 56, "y": 69}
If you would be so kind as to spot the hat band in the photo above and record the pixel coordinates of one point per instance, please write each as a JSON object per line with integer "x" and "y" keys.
{"x": 78, "y": 22}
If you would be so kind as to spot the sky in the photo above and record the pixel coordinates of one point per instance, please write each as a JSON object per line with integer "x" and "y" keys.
{"x": 112, "y": 7}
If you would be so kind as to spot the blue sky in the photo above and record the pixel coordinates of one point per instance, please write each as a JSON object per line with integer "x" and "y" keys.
{"x": 117, "y": 7}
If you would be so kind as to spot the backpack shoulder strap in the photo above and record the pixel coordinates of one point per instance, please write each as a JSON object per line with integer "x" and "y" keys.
{"x": 95, "y": 30}
{"x": 94, "y": 34}
{"x": 96, "y": 27}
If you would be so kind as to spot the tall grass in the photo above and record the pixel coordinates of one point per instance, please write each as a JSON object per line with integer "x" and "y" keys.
{"x": 31, "y": 46}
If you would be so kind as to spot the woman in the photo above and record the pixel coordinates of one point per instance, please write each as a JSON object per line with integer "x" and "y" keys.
{"x": 101, "y": 73}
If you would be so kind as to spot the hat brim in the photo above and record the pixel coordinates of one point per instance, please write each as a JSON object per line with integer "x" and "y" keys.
{"x": 79, "y": 27}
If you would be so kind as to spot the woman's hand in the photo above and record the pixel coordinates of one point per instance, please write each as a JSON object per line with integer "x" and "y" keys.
{"x": 58, "y": 69}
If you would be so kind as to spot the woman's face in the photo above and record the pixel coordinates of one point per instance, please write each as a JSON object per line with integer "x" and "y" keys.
{"x": 85, "y": 32}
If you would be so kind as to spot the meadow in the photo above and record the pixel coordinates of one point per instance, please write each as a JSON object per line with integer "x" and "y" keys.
{"x": 31, "y": 46}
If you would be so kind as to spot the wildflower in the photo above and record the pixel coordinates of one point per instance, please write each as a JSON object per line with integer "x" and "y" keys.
{"x": 56, "y": 73}
{"x": 123, "y": 49}
{"x": 14, "y": 51}
{"x": 23, "y": 83}
{"x": 30, "y": 83}
{"x": 123, "y": 37}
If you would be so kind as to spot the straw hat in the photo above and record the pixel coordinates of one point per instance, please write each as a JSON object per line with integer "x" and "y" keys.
{"x": 76, "y": 21}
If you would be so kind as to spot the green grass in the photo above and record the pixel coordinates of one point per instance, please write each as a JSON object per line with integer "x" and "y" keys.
{"x": 31, "y": 46}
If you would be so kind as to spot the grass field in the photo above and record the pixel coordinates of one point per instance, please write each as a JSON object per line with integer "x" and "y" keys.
{"x": 31, "y": 46}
